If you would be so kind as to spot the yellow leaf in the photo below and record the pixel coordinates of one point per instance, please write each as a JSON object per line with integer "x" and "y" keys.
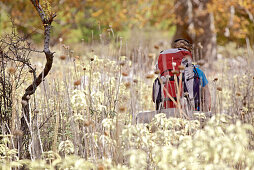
{"x": 97, "y": 13}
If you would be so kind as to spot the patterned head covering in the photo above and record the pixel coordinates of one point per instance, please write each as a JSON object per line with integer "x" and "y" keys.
{"x": 182, "y": 43}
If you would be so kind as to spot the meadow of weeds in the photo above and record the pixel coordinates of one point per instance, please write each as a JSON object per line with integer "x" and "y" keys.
{"x": 83, "y": 114}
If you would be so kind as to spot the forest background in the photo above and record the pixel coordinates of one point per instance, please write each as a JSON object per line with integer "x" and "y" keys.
{"x": 230, "y": 20}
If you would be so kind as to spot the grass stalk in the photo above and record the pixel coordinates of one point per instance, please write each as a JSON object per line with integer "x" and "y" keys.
{"x": 13, "y": 109}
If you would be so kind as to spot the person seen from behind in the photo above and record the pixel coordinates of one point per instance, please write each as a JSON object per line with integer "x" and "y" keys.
{"x": 195, "y": 83}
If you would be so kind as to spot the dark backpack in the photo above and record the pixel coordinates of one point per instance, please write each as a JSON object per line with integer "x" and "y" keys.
{"x": 157, "y": 96}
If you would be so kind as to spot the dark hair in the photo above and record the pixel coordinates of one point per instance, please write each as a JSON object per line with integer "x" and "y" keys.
{"x": 182, "y": 43}
{"x": 183, "y": 40}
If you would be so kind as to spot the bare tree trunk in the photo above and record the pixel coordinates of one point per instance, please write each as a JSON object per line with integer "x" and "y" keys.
{"x": 196, "y": 24}
{"x": 184, "y": 20}
{"x": 46, "y": 19}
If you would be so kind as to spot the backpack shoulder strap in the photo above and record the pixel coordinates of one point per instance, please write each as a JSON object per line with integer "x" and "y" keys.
{"x": 195, "y": 72}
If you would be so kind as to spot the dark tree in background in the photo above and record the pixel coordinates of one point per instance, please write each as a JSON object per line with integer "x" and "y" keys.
{"x": 203, "y": 21}
{"x": 196, "y": 23}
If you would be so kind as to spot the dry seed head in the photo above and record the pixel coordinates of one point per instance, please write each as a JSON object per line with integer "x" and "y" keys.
{"x": 219, "y": 88}
{"x": 18, "y": 133}
{"x": 242, "y": 112}
{"x": 135, "y": 80}
{"x": 24, "y": 103}
{"x": 87, "y": 123}
{"x": 122, "y": 109}
{"x": 11, "y": 70}
{"x": 173, "y": 64}
{"x": 151, "y": 55}
{"x": 101, "y": 167}
{"x": 127, "y": 84}
{"x": 77, "y": 83}
{"x": 186, "y": 94}
{"x": 106, "y": 133}
{"x": 125, "y": 74}
{"x": 238, "y": 93}
{"x": 215, "y": 79}
{"x": 175, "y": 72}
{"x": 157, "y": 72}
{"x": 156, "y": 47}
{"x": 181, "y": 67}
{"x": 150, "y": 76}
{"x": 62, "y": 57}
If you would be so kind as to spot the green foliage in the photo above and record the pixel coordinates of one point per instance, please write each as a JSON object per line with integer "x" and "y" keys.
{"x": 79, "y": 20}
{"x": 5, "y": 24}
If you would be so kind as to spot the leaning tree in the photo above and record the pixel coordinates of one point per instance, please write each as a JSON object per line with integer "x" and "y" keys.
{"x": 15, "y": 52}
{"x": 47, "y": 17}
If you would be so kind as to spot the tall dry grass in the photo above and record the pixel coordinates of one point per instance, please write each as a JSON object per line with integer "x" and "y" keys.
{"x": 83, "y": 114}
